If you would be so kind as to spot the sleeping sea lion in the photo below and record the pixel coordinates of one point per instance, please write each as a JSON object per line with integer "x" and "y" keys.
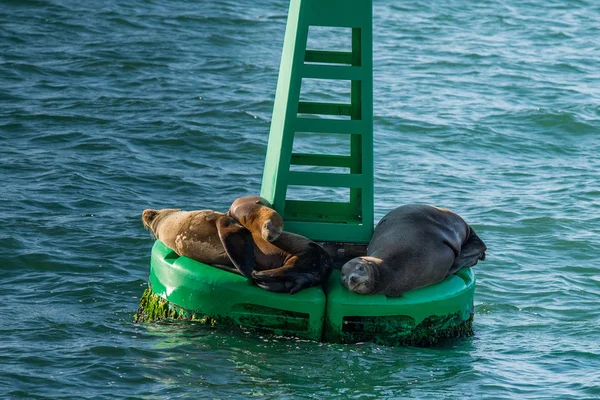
{"x": 207, "y": 236}
{"x": 413, "y": 246}
{"x": 285, "y": 262}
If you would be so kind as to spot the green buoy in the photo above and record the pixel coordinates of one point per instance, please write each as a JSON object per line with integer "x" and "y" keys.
{"x": 181, "y": 288}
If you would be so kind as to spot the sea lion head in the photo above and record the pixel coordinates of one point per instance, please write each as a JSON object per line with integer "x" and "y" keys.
{"x": 272, "y": 227}
{"x": 151, "y": 218}
{"x": 148, "y": 216}
{"x": 361, "y": 274}
{"x": 256, "y": 215}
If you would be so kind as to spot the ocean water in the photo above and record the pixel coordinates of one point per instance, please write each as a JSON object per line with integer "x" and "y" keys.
{"x": 491, "y": 109}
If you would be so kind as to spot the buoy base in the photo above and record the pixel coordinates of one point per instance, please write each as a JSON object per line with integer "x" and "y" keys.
{"x": 421, "y": 317}
{"x": 181, "y": 288}
{"x": 184, "y": 289}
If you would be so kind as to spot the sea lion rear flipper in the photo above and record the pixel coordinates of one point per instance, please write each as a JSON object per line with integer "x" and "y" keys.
{"x": 471, "y": 251}
{"x": 303, "y": 281}
{"x": 277, "y": 280}
{"x": 238, "y": 244}
{"x": 285, "y": 279}
{"x": 272, "y": 285}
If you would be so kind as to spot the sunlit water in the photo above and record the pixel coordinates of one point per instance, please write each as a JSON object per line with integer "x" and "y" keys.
{"x": 490, "y": 109}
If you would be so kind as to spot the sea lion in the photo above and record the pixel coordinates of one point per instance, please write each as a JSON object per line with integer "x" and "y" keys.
{"x": 207, "y": 236}
{"x": 285, "y": 262}
{"x": 413, "y": 246}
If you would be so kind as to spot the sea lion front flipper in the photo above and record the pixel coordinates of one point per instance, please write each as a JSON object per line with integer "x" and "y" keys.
{"x": 471, "y": 251}
{"x": 238, "y": 244}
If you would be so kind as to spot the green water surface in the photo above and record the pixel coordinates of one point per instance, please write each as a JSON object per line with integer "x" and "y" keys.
{"x": 491, "y": 109}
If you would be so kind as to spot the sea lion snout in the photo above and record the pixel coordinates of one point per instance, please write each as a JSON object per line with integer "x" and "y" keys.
{"x": 271, "y": 231}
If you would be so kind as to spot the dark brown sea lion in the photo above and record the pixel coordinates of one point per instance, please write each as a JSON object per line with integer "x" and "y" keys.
{"x": 285, "y": 262}
{"x": 413, "y": 246}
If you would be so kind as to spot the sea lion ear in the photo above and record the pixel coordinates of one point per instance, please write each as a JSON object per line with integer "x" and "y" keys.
{"x": 263, "y": 202}
{"x": 238, "y": 244}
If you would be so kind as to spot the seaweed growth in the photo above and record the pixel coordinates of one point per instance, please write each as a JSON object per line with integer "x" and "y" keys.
{"x": 154, "y": 308}
{"x": 402, "y": 331}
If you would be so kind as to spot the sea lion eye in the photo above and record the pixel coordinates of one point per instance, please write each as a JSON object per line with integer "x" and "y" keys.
{"x": 361, "y": 268}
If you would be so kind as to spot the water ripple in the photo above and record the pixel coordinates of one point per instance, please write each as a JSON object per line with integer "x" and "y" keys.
{"x": 490, "y": 110}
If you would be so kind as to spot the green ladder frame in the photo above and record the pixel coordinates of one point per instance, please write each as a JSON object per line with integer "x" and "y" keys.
{"x": 332, "y": 221}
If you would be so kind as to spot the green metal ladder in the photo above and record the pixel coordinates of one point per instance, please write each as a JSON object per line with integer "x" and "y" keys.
{"x": 332, "y": 221}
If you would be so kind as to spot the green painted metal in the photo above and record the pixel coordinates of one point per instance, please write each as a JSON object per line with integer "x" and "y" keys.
{"x": 197, "y": 290}
{"x": 338, "y": 221}
{"x": 421, "y": 316}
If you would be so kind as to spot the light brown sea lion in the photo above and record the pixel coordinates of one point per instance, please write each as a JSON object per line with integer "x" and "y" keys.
{"x": 413, "y": 246}
{"x": 207, "y": 236}
{"x": 288, "y": 264}
{"x": 285, "y": 262}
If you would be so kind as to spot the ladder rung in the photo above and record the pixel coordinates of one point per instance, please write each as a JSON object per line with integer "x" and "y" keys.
{"x": 309, "y": 107}
{"x": 329, "y": 126}
{"x": 324, "y": 231}
{"x": 325, "y": 179}
{"x": 317, "y": 71}
{"x": 322, "y": 160}
{"x": 324, "y": 210}
{"x": 331, "y": 57}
